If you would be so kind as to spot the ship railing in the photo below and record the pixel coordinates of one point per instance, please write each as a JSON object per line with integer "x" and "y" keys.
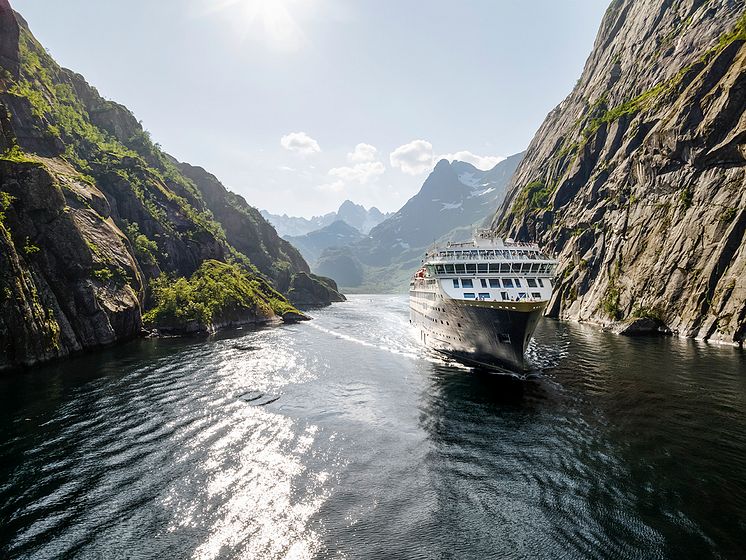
{"x": 486, "y": 257}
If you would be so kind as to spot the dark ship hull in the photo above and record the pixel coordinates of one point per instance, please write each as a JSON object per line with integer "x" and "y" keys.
{"x": 479, "y": 332}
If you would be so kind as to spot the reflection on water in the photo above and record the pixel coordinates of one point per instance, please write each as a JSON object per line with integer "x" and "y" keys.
{"x": 343, "y": 438}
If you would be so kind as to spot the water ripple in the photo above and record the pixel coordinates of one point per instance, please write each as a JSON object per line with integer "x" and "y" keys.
{"x": 345, "y": 439}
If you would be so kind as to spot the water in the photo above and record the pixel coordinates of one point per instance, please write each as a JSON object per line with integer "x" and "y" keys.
{"x": 342, "y": 438}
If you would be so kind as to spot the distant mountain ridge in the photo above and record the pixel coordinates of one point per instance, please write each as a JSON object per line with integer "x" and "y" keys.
{"x": 455, "y": 199}
{"x": 455, "y": 195}
{"x": 336, "y": 234}
{"x": 353, "y": 214}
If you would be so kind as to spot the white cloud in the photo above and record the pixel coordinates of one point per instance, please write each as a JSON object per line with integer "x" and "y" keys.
{"x": 413, "y": 158}
{"x": 480, "y": 162}
{"x": 362, "y": 172}
{"x": 363, "y": 153}
{"x": 300, "y": 142}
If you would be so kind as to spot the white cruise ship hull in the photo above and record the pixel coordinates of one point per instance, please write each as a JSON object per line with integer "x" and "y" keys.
{"x": 482, "y": 332}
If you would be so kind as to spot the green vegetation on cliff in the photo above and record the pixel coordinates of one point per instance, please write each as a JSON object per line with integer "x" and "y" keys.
{"x": 145, "y": 249}
{"x": 78, "y": 171}
{"x": 216, "y": 293}
{"x": 71, "y": 114}
{"x": 15, "y": 154}
{"x": 5, "y": 202}
{"x": 533, "y": 196}
{"x": 646, "y": 168}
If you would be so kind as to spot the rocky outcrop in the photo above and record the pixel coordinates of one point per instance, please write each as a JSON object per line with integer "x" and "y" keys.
{"x": 247, "y": 231}
{"x": 641, "y": 326}
{"x": 9, "y": 59}
{"x": 309, "y": 290}
{"x": 92, "y": 212}
{"x": 294, "y": 317}
{"x": 636, "y": 180}
{"x": 82, "y": 290}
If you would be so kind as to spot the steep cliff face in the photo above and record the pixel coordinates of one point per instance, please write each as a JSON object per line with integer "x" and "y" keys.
{"x": 91, "y": 211}
{"x": 246, "y": 230}
{"x": 636, "y": 180}
{"x": 8, "y": 39}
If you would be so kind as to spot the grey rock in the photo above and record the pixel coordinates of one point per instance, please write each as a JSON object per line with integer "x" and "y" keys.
{"x": 641, "y": 326}
{"x": 309, "y": 290}
{"x": 637, "y": 183}
{"x": 293, "y": 317}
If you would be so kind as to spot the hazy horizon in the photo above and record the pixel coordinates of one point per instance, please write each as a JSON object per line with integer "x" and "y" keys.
{"x": 300, "y": 104}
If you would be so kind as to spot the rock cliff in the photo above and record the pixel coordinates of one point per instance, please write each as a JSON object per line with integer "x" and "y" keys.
{"x": 636, "y": 180}
{"x": 91, "y": 211}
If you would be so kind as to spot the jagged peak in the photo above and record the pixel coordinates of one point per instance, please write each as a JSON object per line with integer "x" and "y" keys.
{"x": 442, "y": 164}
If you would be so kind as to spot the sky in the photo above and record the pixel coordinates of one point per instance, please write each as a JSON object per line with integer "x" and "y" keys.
{"x": 300, "y": 104}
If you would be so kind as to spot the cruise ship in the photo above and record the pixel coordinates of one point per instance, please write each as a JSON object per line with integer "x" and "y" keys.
{"x": 480, "y": 301}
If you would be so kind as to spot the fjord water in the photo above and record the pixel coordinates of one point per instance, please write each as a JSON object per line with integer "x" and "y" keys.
{"x": 342, "y": 438}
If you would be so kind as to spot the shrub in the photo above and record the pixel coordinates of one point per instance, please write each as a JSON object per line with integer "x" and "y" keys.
{"x": 612, "y": 296}
{"x": 29, "y": 248}
{"x": 102, "y": 274}
{"x": 534, "y": 196}
{"x": 215, "y": 289}
{"x": 5, "y": 201}
{"x": 145, "y": 249}
{"x": 686, "y": 197}
{"x": 728, "y": 215}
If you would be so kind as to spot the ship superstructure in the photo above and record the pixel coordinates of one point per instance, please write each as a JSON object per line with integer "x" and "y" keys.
{"x": 481, "y": 300}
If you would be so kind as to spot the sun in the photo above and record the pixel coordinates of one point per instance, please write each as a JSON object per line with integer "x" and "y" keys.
{"x": 274, "y": 21}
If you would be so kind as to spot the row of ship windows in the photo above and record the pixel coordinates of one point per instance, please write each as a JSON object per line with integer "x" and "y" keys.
{"x": 484, "y": 296}
{"x": 495, "y": 283}
{"x": 492, "y": 268}
{"x": 492, "y": 254}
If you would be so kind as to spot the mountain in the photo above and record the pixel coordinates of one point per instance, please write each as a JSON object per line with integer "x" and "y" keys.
{"x": 358, "y": 217}
{"x": 454, "y": 199}
{"x": 455, "y": 195}
{"x": 292, "y": 226}
{"x": 338, "y": 234}
{"x": 341, "y": 264}
{"x": 636, "y": 180}
{"x": 101, "y": 231}
{"x": 353, "y": 214}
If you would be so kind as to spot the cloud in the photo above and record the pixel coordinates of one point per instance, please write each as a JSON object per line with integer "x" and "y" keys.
{"x": 361, "y": 173}
{"x": 413, "y": 158}
{"x": 363, "y": 153}
{"x": 480, "y": 162}
{"x": 300, "y": 142}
